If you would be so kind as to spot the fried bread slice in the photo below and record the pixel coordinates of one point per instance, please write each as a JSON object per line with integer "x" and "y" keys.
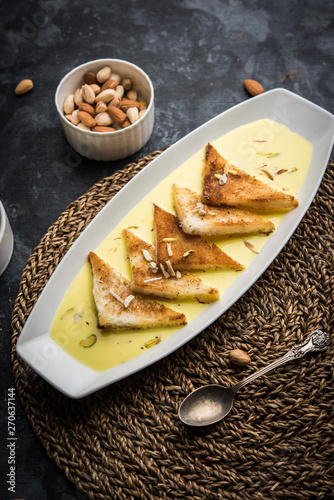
{"x": 196, "y": 218}
{"x": 148, "y": 279}
{"x": 239, "y": 189}
{"x": 111, "y": 289}
{"x": 188, "y": 251}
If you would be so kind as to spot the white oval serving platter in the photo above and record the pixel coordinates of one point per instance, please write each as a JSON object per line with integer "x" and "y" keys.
{"x": 76, "y": 380}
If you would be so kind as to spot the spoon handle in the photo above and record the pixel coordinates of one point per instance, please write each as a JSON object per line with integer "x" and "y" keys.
{"x": 316, "y": 341}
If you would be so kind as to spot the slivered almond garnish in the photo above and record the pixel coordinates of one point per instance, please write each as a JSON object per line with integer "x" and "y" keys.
{"x": 294, "y": 169}
{"x": 117, "y": 297}
{"x": 153, "y": 279}
{"x": 170, "y": 268}
{"x": 128, "y": 300}
{"x": 125, "y": 302}
{"x": 281, "y": 171}
{"x": 222, "y": 178}
{"x": 250, "y": 246}
{"x": 178, "y": 274}
{"x": 200, "y": 208}
{"x": 168, "y": 240}
{"x": 268, "y": 174}
{"x": 164, "y": 272}
{"x": 146, "y": 255}
{"x": 169, "y": 250}
{"x": 153, "y": 267}
{"x": 203, "y": 210}
{"x": 78, "y": 316}
{"x": 227, "y": 167}
{"x": 207, "y": 211}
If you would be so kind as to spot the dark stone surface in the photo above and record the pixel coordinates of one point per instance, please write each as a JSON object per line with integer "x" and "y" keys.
{"x": 197, "y": 55}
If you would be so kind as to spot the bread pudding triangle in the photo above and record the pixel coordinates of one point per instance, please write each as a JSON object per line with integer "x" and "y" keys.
{"x": 188, "y": 252}
{"x": 118, "y": 308}
{"x": 197, "y": 218}
{"x": 150, "y": 279}
{"x": 225, "y": 184}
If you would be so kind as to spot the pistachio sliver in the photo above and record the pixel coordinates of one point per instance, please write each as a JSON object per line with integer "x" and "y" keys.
{"x": 267, "y": 155}
{"x": 152, "y": 342}
{"x": 186, "y": 254}
{"x": 272, "y": 155}
{"x": 88, "y": 341}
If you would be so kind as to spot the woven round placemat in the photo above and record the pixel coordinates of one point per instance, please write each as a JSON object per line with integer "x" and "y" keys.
{"x": 126, "y": 442}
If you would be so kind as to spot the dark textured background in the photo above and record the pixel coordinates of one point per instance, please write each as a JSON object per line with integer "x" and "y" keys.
{"x": 197, "y": 55}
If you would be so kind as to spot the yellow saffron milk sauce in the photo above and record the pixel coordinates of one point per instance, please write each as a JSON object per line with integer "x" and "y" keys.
{"x": 264, "y": 148}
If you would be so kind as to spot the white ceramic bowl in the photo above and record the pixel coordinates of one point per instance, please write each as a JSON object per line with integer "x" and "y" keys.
{"x": 107, "y": 146}
{"x": 6, "y": 240}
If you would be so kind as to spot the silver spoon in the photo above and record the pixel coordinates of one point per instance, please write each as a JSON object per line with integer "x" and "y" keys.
{"x": 209, "y": 404}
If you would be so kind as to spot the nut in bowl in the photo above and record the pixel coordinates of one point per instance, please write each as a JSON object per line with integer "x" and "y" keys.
{"x": 106, "y": 109}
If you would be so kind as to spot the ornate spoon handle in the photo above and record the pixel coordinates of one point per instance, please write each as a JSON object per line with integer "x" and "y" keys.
{"x": 316, "y": 341}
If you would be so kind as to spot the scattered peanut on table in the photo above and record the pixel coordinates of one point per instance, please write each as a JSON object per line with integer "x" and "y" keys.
{"x": 23, "y": 87}
{"x": 104, "y": 103}
{"x": 239, "y": 357}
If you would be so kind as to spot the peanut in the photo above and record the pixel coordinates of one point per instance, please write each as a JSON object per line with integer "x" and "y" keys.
{"x": 96, "y": 88}
{"x": 84, "y": 127}
{"x": 23, "y": 87}
{"x": 78, "y": 99}
{"x": 68, "y": 106}
{"x": 132, "y": 95}
{"x": 239, "y": 357}
{"x": 100, "y": 107}
{"x": 132, "y": 114}
{"x": 88, "y": 94}
{"x": 116, "y": 77}
{"x": 105, "y": 96}
{"x": 103, "y": 119}
{"x": 127, "y": 83}
{"x": 103, "y": 75}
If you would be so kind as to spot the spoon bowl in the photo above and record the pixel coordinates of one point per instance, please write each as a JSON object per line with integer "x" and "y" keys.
{"x": 209, "y": 404}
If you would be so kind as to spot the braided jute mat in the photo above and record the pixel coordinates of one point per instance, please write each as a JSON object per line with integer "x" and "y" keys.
{"x": 126, "y": 442}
